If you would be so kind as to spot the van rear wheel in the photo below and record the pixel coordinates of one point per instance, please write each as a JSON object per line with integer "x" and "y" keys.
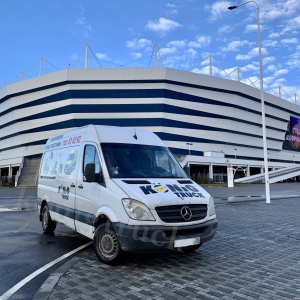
{"x": 106, "y": 245}
{"x": 47, "y": 223}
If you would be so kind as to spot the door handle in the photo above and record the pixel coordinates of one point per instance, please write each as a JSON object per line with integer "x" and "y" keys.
{"x": 72, "y": 185}
{"x": 80, "y": 186}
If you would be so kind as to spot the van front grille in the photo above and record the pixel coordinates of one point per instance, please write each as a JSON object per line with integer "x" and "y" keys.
{"x": 182, "y": 213}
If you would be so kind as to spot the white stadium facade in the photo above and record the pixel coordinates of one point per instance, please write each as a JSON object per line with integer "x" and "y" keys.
{"x": 207, "y": 122}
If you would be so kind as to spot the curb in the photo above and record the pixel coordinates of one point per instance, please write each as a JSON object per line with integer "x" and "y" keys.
{"x": 242, "y": 199}
{"x": 47, "y": 287}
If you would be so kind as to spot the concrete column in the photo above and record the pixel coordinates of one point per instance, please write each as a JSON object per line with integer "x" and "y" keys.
{"x": 211, "y": 171}
{"x": 9, "y": 171}
{"x": 230, "y": 176}
{"x": 248, "y": 170}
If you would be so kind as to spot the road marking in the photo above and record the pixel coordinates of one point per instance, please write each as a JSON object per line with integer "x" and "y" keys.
{"x": 7, "y": 209}
{"x": 15, "y": 288}
{"x": 16, "y": 209}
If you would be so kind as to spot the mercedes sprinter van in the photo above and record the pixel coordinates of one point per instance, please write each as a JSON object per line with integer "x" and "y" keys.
{"x": 122, "y": 188}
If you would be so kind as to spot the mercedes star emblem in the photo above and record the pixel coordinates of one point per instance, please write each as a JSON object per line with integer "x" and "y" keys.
{"x": 186, "y": 213}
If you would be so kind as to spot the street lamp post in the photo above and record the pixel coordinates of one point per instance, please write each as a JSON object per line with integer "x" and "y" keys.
{"x": 265, "y": 148}
{"x": 189, "y": 144}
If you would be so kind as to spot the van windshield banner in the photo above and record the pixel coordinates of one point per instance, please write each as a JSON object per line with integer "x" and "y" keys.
{"x": 292, "y": 136}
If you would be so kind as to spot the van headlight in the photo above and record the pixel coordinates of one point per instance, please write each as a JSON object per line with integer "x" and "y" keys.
{"x": 211, "y": 207}
{"x": 137, "y": 210}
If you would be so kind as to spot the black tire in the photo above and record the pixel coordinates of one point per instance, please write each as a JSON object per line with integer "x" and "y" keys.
{"x": 190, "y": 249}
{"x": 48, "y": 224}
{"x": 106, "y": 244}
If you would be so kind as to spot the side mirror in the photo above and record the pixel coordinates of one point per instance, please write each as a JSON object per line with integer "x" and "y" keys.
{"x": 89, "y": 173}
{"x": 187, "y": 170}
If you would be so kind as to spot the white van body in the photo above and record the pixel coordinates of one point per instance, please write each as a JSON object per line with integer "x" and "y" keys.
{"x": 122, "y": 188}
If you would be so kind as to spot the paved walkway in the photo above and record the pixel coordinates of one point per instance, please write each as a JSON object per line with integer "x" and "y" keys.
{"x": 254, "y": 255}
{"x": 15, "y": 193}
{"x": 220, "y": 194}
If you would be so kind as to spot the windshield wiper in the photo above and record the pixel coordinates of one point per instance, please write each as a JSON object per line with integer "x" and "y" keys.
{"x": 170, "y": 177}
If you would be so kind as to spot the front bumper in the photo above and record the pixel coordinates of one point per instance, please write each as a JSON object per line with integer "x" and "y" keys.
{"x": 151, "y": 238}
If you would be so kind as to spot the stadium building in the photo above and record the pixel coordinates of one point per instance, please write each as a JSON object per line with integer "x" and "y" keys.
{"x": 207, "y": 122}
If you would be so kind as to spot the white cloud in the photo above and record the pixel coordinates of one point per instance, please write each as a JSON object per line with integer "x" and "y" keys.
{"x": 270, "y": 43}
{"x": 225, "y": 29}
{"x": 74, "y": 56}
{"x": 206, "y": 71}
{"x": 272, "y": 10}
{"x": 253, "y": 81}
{"x": 252, "y": 53}
{"x": 173, "y": 61}
{"x": 268, "y": 60}
{"x": 177, "y": 43}
{"x": 243, "y": 57}
{"x": 80, "y": 21}
{"x": 136, "y": 55}
{"x": 139, "y": 44}
{"x": 171, "y": 9}
{"x": 172, "y": 47}
{"x": 294, "y": 60}
{"x": 162, "y": 25}
{"x": 281, "y": 72}
{"x": 274, "y": 35}
{"x": 232, "y": 73}
{"x": 87, "y": 27}
{"x": 253, "y": 67}
{"x": 192, "y": 53}
{"x": 295, "y": 23}
{"x": 252, "y": 27}
{"x": 235, "y": 45}
{"x": 289, "y": 41}
{"x": 166, "y": 51}
{"x": 290, "y": 91}
{"x": 271, "y": 68}
{"x": 200, "y": 42}
{"x": 269, "y": 81}
{"x": 217, "y": 9}
{"x": 101, "y": 55}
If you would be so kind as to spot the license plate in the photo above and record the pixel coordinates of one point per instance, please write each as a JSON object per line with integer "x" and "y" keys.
{"x": 187, "y": 242}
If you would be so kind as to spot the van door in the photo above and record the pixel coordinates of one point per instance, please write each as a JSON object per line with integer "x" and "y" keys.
{"x": 87, "y": 193}
{"x": 58, "y": 172}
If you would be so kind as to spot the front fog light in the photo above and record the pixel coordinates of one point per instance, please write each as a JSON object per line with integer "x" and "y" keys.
{"x": 211, "y": 206}
{"x": 137, "y": 210}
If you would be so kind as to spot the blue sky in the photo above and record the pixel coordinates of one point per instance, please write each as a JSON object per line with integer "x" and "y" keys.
{"x": 122, "y": 33}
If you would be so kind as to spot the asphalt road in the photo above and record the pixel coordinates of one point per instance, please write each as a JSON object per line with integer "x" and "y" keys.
{"x": 24, "y": 247}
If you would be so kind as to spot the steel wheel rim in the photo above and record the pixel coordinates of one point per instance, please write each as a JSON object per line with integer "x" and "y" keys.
{"x": 108, "y": 244}
{"x": 45, "y": 218}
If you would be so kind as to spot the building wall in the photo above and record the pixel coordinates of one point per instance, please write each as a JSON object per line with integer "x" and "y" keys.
{"x": 213, "y": 114}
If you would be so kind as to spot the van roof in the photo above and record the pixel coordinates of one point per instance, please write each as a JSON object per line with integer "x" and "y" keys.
{"x": 127, "y": 135}
{"x": 105, "y": 134}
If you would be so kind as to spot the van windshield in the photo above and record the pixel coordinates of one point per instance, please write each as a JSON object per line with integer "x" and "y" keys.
{"x": 140, "y": 161}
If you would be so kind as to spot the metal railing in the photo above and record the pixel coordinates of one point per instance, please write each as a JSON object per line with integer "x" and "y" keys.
{"x": 274, "y": 176}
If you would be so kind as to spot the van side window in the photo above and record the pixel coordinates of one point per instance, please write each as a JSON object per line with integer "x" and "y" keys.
{"x": 91, "y": 156}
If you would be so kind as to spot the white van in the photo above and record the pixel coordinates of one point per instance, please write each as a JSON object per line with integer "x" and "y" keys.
{"x": 122, "y": 188}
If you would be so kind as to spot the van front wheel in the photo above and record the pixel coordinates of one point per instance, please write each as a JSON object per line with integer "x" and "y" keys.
{"x": 47, "y": 223}
{"x": 106, "y": 245}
